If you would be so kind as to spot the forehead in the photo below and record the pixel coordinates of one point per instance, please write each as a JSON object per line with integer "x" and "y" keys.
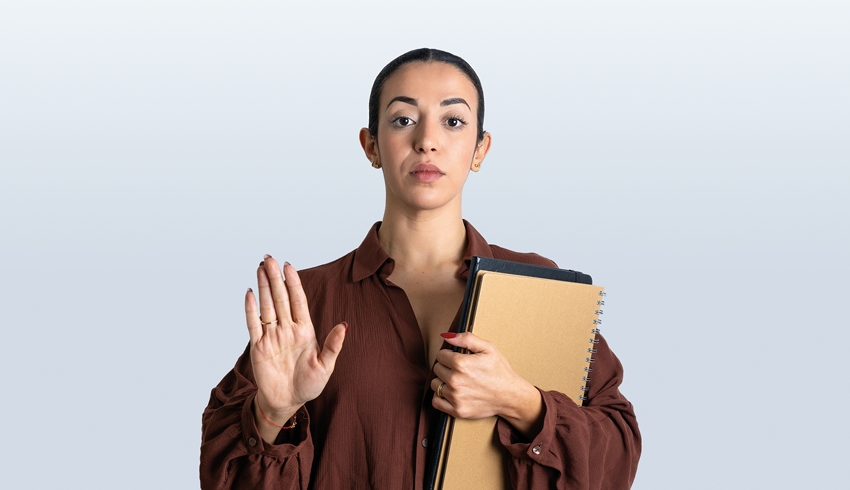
{"x": 432, "y": 81}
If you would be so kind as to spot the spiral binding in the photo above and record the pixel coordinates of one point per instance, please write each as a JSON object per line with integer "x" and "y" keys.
{"x": 592, "y": 350}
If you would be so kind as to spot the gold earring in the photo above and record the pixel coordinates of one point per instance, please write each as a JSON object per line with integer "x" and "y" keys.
{"x": 375, "y": 163}
{"x": 477, "y": 165}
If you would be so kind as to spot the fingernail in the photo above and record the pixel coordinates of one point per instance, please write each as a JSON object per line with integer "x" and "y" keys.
{"x": 287, "y": 263}
{"x": 448, "y": 335}
{"x": 249, "y": 291}
{"x": 262, "y": 263}
{"x": 345, "y": 325}
{"x": 267, "y": 256}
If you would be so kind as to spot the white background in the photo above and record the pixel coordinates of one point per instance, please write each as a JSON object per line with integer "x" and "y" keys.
{"x": 691, "y": 156}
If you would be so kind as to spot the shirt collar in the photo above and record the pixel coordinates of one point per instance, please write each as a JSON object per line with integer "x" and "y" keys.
{"x": 370, "y": 256}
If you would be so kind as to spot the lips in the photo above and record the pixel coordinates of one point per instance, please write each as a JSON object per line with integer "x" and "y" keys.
{"x": 425, "y": 172}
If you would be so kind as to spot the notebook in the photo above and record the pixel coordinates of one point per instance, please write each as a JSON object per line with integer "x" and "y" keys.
{"x": 544, "y": 321}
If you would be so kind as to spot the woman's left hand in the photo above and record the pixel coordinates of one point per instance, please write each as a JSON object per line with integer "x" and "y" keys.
{"x": 482, "y": 384}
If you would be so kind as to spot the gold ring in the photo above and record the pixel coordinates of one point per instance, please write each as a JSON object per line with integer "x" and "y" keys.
{"x": 267, "y": 323}
{"x": 440, "y": 389}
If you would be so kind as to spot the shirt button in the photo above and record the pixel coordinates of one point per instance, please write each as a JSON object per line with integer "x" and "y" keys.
{"x": 252, "y": 442}
{"x": 425, "y": 442}
{"x": 536, "y": 449}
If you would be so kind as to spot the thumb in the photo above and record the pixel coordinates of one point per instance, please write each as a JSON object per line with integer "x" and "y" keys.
{"x": 333, "y": 345}
{"x": 467, "y": 340}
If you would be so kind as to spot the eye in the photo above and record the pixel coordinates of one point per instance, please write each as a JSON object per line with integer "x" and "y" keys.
{"x": 455, "y": 122}
{"x": 402, "y": 121}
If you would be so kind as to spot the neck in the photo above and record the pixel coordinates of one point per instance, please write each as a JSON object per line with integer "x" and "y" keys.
{"x": 423, "y": 239}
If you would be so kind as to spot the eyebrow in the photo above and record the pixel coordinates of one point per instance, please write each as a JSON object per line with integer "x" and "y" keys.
{"x": 415, "y": 103}
{"x": 454, "y": 100}
{"x": 405, "y": 99}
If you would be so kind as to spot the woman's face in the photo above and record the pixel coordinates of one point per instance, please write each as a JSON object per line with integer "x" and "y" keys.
{"x": 427, "y": 136}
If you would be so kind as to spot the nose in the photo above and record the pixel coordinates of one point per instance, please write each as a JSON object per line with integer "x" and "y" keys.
{"x": 427, "y": 136}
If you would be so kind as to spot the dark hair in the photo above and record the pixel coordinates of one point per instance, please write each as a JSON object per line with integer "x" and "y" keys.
{"x": 424, "y": 55}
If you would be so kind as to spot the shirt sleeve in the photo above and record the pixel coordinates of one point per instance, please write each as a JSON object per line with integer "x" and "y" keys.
{"x": 592, "y": 447}
{"x": 234, "y": 455}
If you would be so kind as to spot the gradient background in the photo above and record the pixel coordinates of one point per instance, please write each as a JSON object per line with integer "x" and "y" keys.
{"x": 691, "y": 156}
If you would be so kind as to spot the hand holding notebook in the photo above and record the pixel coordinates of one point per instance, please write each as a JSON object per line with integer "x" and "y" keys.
{"x": 481, "y": 383}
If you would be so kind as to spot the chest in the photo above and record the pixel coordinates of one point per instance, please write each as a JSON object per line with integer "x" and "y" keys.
{"x": 435, "y": 299}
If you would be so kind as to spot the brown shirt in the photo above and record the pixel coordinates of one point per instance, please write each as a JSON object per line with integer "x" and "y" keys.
{"x": 369, "y": 427}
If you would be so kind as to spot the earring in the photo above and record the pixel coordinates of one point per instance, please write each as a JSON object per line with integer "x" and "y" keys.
{"x": 375, "y": 163}
{"x": 477, "y": 165}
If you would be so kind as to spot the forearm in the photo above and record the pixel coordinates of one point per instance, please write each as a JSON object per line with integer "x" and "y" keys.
{"x": 234, "y": 451}
{"x": 589, "y": 448}
{"x": 595, "y": 446}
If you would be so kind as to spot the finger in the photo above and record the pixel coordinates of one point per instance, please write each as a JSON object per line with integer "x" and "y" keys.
{"x": 280, "y": 297}
{"x": 435, "y": 385}
{"x": 255, "y": 328}
{"x": 267, "y": 312}
{"x": 449, "y": 359}
{"x": 333, "y": 345}
{"x": 443, "y": 373}
{"x": 300, "y": 311}
{"x": 443, "y": 405}
{"x": 444, "y": 392}
{"x": 469, "y": 341}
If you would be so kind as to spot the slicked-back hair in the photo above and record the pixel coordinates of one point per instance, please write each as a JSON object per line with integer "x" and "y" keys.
{"x": 425, "y": 55}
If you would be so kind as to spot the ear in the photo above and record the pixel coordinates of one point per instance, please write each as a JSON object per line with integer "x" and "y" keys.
{"x": 480, "y": 152}
{"x": 369, "y": 145}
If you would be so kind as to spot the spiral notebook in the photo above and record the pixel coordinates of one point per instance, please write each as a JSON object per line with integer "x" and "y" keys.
{"x": 544, "y": 321}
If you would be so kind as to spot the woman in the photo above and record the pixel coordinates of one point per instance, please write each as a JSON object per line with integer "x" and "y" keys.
{"x": 354, "y": 412}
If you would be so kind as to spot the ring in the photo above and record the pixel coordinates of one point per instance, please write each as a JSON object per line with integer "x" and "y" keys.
{"x": 440, "y": 389}
{"x": 267, "y": 323}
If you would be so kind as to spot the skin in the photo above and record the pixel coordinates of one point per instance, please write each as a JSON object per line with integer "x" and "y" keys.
{"x": 426, "y": 146}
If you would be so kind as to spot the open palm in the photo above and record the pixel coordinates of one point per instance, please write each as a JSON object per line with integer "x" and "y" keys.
{"x": 289, "y": 367}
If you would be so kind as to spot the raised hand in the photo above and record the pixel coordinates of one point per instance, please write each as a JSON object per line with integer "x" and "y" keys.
{"x": 289, "y": 368}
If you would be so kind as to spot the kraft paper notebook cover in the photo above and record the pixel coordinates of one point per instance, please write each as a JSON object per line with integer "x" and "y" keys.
{"x": 546, "y": 328}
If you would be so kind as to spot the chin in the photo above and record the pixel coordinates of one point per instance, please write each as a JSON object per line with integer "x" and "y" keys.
{"x": 429, "y": 204}
{"x": 423, "y": 199}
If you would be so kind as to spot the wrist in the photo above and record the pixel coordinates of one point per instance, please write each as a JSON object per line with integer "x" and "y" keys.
{"x": 526, "y": 410}
{"x": 280, "y": 419}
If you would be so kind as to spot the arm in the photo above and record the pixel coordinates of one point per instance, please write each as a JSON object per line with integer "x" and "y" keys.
{"x": 593, "y": 447}
{"x": 243, "y": 444}
{"x": 553, "y": 443}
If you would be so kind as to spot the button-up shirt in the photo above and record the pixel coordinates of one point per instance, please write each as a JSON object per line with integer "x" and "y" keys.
{"x": 369, "y": 427}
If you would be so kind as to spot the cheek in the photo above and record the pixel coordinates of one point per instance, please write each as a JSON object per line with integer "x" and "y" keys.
{"x": 463, "y": 149}
{"x": 392, "y": 144}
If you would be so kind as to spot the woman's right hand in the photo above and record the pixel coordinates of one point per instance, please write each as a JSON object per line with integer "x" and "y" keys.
{"x": 289, "y": 368}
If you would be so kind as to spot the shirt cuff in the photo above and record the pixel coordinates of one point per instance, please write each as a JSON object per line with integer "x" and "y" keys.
{"x": 541, "y": 448}
{"x": 289, "y": 441}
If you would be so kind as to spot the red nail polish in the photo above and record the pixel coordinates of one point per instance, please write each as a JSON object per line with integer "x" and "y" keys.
{"x": 448, "y": 335}
{"x": 345, "y": 325}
